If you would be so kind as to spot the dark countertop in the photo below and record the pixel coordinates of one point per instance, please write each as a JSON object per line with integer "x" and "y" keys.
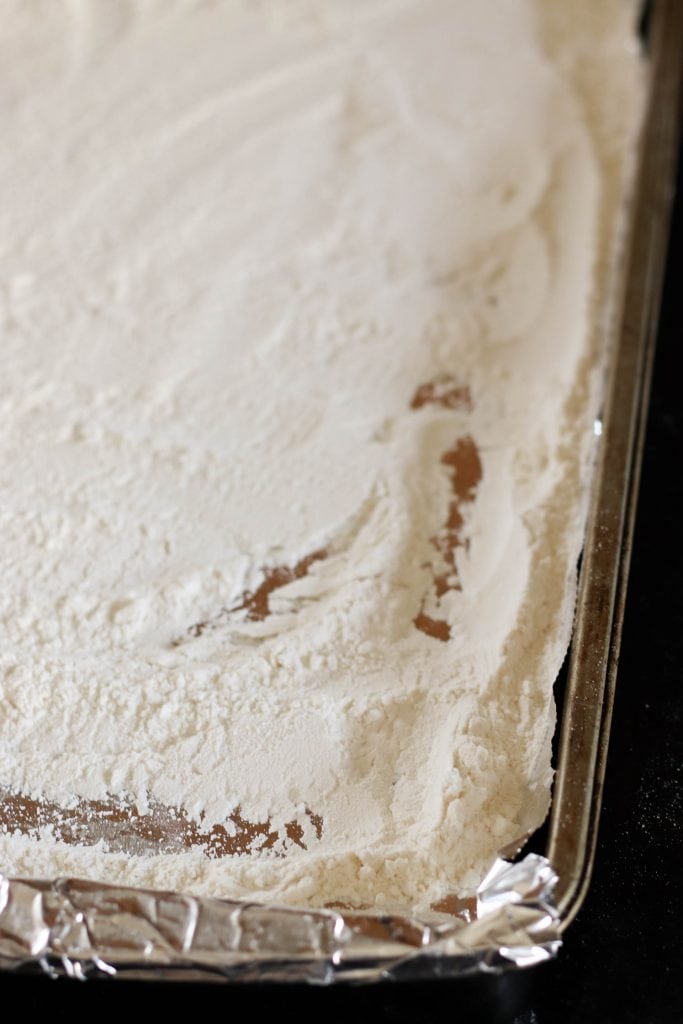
{"x": 621, "y": 957}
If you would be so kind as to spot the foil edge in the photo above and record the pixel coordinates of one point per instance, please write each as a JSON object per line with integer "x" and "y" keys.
{"x": 82, "y": 930}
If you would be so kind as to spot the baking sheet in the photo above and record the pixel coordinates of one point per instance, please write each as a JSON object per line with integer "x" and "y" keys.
{"x": 81, "y": 928}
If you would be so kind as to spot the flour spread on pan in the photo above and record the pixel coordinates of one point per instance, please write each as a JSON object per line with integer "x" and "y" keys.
{"x": 300, "y": 309}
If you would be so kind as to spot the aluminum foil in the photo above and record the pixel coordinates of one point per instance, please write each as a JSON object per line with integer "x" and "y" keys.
{"x": 84, "y": 929}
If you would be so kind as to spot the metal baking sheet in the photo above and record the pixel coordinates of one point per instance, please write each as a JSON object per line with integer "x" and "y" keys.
{"x": 83, "y": 929}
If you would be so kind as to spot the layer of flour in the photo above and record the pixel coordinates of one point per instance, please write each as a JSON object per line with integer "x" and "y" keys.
{"x": 263, "y": 266}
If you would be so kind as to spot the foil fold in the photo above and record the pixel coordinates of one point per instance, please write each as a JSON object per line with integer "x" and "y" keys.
{"x": 83, "y": 929}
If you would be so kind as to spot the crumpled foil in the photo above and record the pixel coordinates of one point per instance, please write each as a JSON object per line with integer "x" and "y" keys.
{"x": 84, "y": 929}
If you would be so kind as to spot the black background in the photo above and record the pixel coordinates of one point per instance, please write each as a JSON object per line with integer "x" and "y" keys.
{"x": 622, "y": 959}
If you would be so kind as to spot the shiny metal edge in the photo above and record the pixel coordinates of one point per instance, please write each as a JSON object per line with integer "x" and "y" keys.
{"x": 594, "y": 654}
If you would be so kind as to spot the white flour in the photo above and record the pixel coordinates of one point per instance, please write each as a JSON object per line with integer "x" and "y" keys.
{"x": 300, "y": 308}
